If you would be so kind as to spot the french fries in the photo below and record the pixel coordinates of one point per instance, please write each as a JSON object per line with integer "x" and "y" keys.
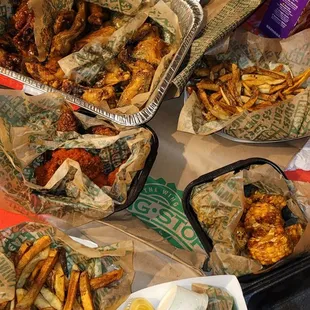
{"x": 35, "y": 249}
{"x": 106, "y": 279}
{"x": 44, "y": 283}
{"x": 85, "y": 292}
{"x": 226, "y": 90}
{"x": 72, "y": 290}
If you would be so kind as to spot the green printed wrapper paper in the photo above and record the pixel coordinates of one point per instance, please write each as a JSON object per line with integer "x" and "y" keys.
{"x": 220, "y": 204}
{"x": 28, "y": 129}
{"x": 289, "y": 119}
{"x": 85, "y": 64}
{"x": 95, "y": 260}
{"x": 221, "y": 17}
{"x": 219, "y": 298}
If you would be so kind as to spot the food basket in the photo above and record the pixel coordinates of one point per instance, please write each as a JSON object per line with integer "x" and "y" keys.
{"x": 190, "y": 16}
{"x": 201, "y": 233}
{"x": 283, "y": 289}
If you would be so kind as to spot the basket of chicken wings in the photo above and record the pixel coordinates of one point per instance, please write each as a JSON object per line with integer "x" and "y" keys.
{"x": 108, "y": 57}
{"x": 68, "y": 164}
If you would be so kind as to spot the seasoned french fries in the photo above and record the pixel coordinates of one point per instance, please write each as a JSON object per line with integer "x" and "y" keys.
{"x": 226, "y": 90}
{"x": 59, "y": 282}
{"x": 35, "y": 249}
{"x": 85, "y": 292}
{"x": 44, "y": 284}
{"x": 72, "y": 290}
{"x": 34, "y": 291}
{"x": 106, "y": 279}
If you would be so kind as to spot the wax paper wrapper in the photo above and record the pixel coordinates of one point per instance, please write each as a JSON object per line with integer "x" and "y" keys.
{"x": 95, "y": 260}
{"x": 289, "y": 119}
{"x": 219, "y": 298}
{"x": 221, "y": 17}
{"x": 221, "y": 202}
{"x": 28, "y": 129}
{"x": 84, "y": 65}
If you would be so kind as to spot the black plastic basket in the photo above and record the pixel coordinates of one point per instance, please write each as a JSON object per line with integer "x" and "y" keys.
{"x": 282, "y": 289}
{"x": 192, "y": 217}
{"x": 141, "y": 176}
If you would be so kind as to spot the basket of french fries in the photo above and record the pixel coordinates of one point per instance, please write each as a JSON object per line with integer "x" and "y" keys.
{"x": 249, "y": 218}
{"x": 68, "y": 164}
{"x": 251, "y": 89}
{"x": 42, "y": 268}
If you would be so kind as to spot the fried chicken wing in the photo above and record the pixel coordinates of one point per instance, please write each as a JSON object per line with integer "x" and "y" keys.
{"x": 62, "y": 42}
{"x": 67, "y": 121}
{"x": 101, "y": 35}
{"x": 21, "y": 15}
{"x": 64, "y": 21}
{"x": 142, "y": 31}
{"x": 73, "y": 88}
{"x": 10, "y": 61}
{"x": 50, "y": 74}
{"x": 104, "y": 131}
{"x": 142, "y": 76}
{"x": 91, "y": 165}
{"x": 152, "y": 49}
{"x": 98, "y": 14}
{"x": 277, "y": 201}
{"x": 113, "y": 75}
{"x": 97, "y": 95}
{"x": 261, "y": 217}
{"x": 272, "y": 247}
{"x": 294, "y": 232}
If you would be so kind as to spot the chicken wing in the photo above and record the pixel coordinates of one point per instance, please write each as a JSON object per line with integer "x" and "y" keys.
{"x": 73, "y": 88}
{"x": 91, "y": 165}
{"x": 62, "y": 42}
{"x": 97, "y": 95}
{"x": 272, "y": 247}
{"x": 113, "y": 75}
{"x": 104, "y": 131}
{"x": 152, "y": 49}
{"x": 142, "y": 76}
{"x": 10, "y": 61}
{"x": 261, "y": 218}
{"x": 101, "y": 35}
{"x": 67, "y": 121}
{"x": 64, "y": 21}
{"x": 98, "y": 14}
{"x": 144, "y": 30}
{"x": 294, "y": 232}
{"x": 50, "y": 74}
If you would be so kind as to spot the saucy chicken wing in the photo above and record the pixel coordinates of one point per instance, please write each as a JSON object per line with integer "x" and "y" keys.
{"x": 62, "y": 42}
{"x": 101, "y": 35}
{"x": 64, "y": 20}
{"x": 97, "y": 95}
{"x": 142, "y": 76}
{"x": 98, "y": 14}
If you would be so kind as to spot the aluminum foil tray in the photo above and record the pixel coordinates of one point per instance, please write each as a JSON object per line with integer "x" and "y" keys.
{"x": 190, "y": 16}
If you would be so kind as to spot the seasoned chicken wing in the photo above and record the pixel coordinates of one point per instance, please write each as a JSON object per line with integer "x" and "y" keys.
{"x": 104, "y": 131}
{"x": 144, "y": 30}
{"x": 152, "y": 49}
{"x": 261, "y": 217}
{"x": 294, "y": 232}
{"x": 98, "y": 14}
{"x": 10, "y": 61}
{"x": 67, "y": 121}
{"x": 64, "y": 20}
{"x": 101, "y": 35}
{"x": 142, "y": 76}
{"x": 277, "y": 201}
{"x": 91, "y": 165}
{"x": 97, "y": 95}
{"x": 272, "y": 247}
{"x": 50, "y": 74}
{"x": 62, "y": 42}
{"x": 113, "y": 75}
